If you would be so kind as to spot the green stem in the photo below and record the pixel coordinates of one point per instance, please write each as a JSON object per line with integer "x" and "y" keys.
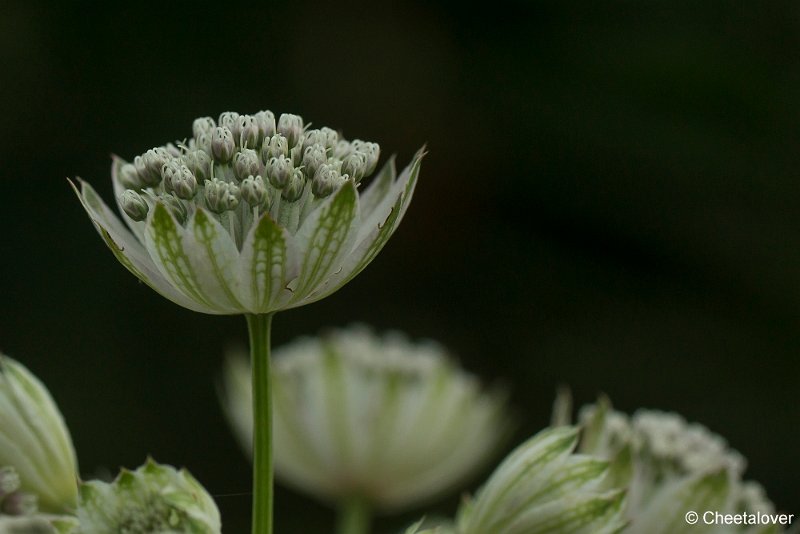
{"x": 354, "y": 516}
{"x": 259, "y": 328}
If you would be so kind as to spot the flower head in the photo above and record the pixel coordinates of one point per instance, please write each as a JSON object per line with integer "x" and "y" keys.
{"x": 154, "y": 498}
{"x": 670, "y": 466}
{"x": 379, "y": 418}
{"x": 34, "y": 440}
{"x": 251, "y": 215}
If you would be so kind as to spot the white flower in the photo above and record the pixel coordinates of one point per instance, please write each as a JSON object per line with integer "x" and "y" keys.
{"x": 670, "y": 467}
{"x": 154, "y": 498}
{"x": 34, "y": 440}
{"x": 250, "y": 216}
{"x": 380, "y": 418}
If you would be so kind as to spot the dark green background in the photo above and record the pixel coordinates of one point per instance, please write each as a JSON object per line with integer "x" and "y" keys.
{"x": 610, "y": 201}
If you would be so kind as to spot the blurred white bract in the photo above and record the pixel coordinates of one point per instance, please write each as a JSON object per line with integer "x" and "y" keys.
{"x": 377, "y": 418}
{"x": 543, "y": 486}
{"x": 34, "y": 441}
{"x": 251, "y": 215}
{"x": 671, "y": 467}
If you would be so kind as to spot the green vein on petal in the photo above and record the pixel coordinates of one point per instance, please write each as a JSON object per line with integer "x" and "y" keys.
{"x": 265, "y": 263}
{"x": 166, "y": 246}
{"x": 213, "y": 258}
{"x": 324, "y": 235}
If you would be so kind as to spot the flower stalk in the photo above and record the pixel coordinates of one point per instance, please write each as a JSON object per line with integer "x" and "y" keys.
{"x": 259, "y": 326}
{"x": 354, "y": 516}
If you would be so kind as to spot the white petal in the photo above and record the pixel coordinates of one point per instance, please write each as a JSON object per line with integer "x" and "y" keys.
{"x": 265, "y": 267}
{"x": 127, "y": 249}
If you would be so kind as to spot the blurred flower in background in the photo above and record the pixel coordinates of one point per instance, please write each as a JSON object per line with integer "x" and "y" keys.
{"x": 372, "y": 419}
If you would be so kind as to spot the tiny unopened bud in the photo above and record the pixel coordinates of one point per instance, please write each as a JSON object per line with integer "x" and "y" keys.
{"x": 266, "y": 125}
{"x": 148, "y": 166}
{"x": 313, "y": 157}
{"x": 291, "y": 127}
{"x": 199, "y": 162}
{"x": 294, "y": 189}
{"x": 169, "y": 170}
{"x": 246, "y": 163}
{"x": 372, "y": 151}
{"x": 134, "y": 205}
{"x": 279, "y": 170}
{"x": 19, "y": 503}
{"x": 355, "y": 165}
{"x": 203, "y": 125}
{"x": 326, "y": 181}
{"x": 248, "y": 131}
{"x": 342, "y": 149}
{"x": 230, "y": 120}
{"x": 129, "y": 177}
{"x": 184, "y": 184}
{"x": 275, "y": 146}
{"x": 222, "y": 145}
{"x": 324, "y": 136}
{"x": 9, "y": 481}
{"x": 175, "y": 206}
{"x": 221, "y": 196}
{"x": 203, "y": 142}
{"x": 254, "y": 191}
{"x": 172, "y": 150}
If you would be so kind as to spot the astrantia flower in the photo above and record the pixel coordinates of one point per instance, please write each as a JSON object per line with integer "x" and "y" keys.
{"x": 34, "y": 441}
{"x": 543, "y": 486}
{"x": 154, "y": 498}
{"x": 671, "y": 467}
{"x": 251, "y": 215}
{"x": 377, "y": 418}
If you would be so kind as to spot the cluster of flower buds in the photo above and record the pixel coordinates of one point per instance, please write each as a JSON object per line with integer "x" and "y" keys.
{"x": 241, "y": 165}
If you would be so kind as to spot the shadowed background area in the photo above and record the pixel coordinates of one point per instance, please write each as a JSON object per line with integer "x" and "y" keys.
{"x": 610, "y": 201}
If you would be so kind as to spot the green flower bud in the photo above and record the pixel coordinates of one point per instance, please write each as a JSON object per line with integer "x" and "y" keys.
{"x": 273, "y": 147}
{"x": 199, "y": 162}
{"x": 222, "y": 144}
{"x": 278, "y": 170}
{"x": 314, "y": 156}
{"x": 129, "y": 177}
{"x": 342, "y": 149}
{"x": 184, "y": 184}
{"x": 291, "y": 127}
{"x": 248, "y": 131}
{"x": 221, "y": 196}
{"x": 134, "y": 205}
{"x": 203, "y": 142}
{"x": 246, "y": 163}
{"x": 149, "y": 165}
{"x": 324, "y": 136}
{"x": 294, "y": 189}
{"x": 326, "y": 181}
{"x": 154, "y": 498}
{"x": 355, "y": 166}
{"x": 230, "y": 120}
{"x": 174, "y": 205}
{"x": 168, "y": 171}
{"x": 372, "y": 152}
{"x": 255, "y": 192}
{"x": 203, "y": 125}
{"x": 266, "y": 125}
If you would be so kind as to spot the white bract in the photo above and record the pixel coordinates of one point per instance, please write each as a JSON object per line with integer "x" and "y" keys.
{"x": 671, "y": 467}
{"x": 34, "y": 441}
{"x": 251, "y": 215}
{"x": 154, "y": 498}
{"x": 377, "y": 418}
